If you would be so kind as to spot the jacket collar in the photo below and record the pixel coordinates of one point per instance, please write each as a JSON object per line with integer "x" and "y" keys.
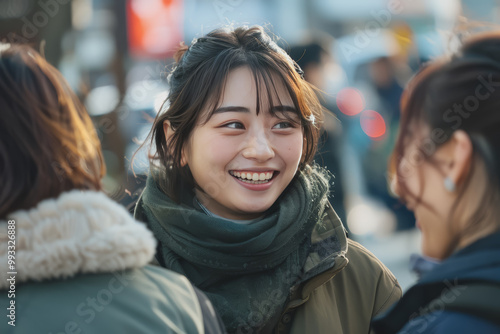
{"x": 478, "y": 262}
{"x": 328, "y": 252}
{"x": 78, "y": 232}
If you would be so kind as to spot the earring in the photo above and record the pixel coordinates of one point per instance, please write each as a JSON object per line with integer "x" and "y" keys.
{"x": 449, "y": 184}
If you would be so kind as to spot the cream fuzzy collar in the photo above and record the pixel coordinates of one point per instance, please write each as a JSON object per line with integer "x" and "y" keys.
{"x": 79, "y": 232}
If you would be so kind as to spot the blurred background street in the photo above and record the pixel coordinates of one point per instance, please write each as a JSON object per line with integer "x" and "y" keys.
{"x": 116, "y": 55}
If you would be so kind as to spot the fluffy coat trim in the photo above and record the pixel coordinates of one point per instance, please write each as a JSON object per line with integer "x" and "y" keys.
{"x": 78, "y": 232}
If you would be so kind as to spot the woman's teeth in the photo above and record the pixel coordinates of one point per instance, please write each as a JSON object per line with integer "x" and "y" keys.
{"x": 250, "y": 177}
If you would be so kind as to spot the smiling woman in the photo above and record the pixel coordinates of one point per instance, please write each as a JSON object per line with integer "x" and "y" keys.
{"x": 237, "y": 206}
{"x": 445, "y": 168}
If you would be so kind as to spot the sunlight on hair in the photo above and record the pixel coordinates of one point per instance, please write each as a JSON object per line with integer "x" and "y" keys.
{"x": 312, "y": 119}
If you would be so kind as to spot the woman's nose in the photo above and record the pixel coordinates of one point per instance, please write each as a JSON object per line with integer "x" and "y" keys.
{"x": 258, "y": 147}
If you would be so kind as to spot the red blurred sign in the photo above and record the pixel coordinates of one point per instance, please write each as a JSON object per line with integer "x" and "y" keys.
{"x": 154, "y": 27}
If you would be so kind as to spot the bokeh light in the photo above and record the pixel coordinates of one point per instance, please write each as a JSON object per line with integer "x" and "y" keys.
{"x": 372, "y": 123}
{"x": 350, "y": 101}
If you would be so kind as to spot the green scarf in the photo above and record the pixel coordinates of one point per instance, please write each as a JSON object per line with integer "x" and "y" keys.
{"x": 246, "y": 270}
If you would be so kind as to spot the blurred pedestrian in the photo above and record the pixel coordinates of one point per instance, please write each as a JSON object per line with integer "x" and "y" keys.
{"x": 72, "y": 259}
{"x": 313, "y": 58}
{"x": 237, "y": 206}
{"x": 446, "y": 168}
{"x": 386, "y": 78}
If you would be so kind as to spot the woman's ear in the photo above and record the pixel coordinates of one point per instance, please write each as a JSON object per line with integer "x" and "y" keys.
{"x": 461, "y": 156}
{"x": 183, "y": 158}
{"x": 168, "y": 131}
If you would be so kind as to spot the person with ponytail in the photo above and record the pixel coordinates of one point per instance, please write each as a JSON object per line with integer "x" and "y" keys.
{"x": 238, "y": 207}
{"x": 445, "y": 167}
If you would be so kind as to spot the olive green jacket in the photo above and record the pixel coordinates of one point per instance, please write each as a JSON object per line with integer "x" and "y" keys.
{"x": 344, "y": 297}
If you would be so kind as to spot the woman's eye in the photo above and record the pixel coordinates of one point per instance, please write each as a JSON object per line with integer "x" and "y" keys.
{"x": 283, "y": 125}
{"x": 234, "y": 125}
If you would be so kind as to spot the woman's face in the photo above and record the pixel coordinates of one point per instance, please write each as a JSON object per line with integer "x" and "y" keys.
{"x": 243, "y": 161}
{"x": 433, "y": 203}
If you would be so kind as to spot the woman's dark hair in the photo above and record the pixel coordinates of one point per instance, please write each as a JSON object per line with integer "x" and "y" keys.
{"x": 461, "y": 92}
{"x": 48, "y": 143}
{"x": 197, "y": 83}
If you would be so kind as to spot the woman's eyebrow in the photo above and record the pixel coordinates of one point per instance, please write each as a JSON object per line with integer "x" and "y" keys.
{"x": 231, "y": 109}
{"x": 281, "y": 109}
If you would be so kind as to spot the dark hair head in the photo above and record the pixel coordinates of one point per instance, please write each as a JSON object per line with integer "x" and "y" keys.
{"x": 461, "y": 92}
{"x": 48, "y": 144}
{"x": 197, "y": 84}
